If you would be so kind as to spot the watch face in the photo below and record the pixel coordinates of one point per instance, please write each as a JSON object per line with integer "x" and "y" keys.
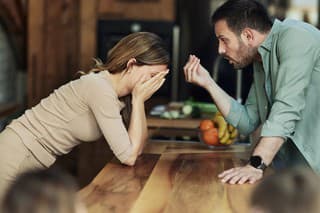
{"x": 255, "y": 161}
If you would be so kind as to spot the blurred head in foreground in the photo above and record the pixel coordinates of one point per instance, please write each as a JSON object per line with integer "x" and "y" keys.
{"x": 291, "y": 191}
{"x": 43, "y": 191}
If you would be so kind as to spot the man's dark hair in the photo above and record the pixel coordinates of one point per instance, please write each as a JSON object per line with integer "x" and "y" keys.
{"x": 240, "y": 14}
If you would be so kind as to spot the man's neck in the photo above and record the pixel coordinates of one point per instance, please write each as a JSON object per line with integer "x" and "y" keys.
{"x": 260, "y": 38}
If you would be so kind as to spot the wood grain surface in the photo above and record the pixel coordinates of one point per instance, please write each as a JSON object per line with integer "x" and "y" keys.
{"x": 117, "y": 186}
{"x": 170, "y": 177}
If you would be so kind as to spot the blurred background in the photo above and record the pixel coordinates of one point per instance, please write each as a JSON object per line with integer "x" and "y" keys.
{"x": 43, "y": 44}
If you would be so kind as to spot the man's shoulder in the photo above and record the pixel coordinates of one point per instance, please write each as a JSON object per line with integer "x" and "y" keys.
{"x": 296, "y": 26}
{"x": 292, "y": 31}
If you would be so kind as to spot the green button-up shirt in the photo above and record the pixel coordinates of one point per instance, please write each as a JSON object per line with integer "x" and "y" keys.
{"x": 285, "y": 94}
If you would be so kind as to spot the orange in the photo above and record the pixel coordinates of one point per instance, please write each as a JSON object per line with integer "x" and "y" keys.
{"x": 206, "y": 124}
{"x": 211, "y": 137}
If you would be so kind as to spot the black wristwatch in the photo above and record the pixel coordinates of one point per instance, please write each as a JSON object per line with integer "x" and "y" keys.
{"x": 257, "y": 162}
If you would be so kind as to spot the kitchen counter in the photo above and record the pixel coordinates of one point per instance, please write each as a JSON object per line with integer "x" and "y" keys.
{"x": 172, "y": 127}
{"x": 170, "y": 177}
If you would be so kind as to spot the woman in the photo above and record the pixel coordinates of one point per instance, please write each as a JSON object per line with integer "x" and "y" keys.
{"x": 85, "y": 109}
{"x": 43, "y": 191}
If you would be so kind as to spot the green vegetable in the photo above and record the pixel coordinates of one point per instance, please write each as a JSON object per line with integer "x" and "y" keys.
{"x": 196, "y": 112}
{"x": 175, "y": 114}
{"x": 187, "y": 109}
{"x": 166, "y": 115}
{"x": 172, "y": 114}
{"x": 203, "y": 106}
{"x": 192, "y": 111}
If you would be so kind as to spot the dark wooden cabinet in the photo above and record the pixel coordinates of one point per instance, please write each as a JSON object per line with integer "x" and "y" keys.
{"x": 53, "y": 46}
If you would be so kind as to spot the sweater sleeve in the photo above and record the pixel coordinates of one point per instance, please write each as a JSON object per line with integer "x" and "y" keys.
{"x": 106, "y": 107}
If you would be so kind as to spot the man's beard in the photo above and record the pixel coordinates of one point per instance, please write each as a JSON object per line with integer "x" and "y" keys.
{"x": 246, "y": 56}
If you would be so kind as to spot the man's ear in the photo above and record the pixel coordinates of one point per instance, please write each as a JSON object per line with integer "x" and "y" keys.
{"x": 247, "y": 35}
{"x": 131, "y": 62}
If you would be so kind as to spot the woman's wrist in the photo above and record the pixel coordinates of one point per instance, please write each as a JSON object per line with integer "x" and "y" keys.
{"x": 137, "y": 101}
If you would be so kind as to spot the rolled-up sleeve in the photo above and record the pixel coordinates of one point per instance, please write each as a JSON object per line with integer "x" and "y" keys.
{"x": 244, "y": 117}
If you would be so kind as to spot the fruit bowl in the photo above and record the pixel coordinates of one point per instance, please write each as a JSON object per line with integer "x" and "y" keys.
{"x": 217, "y": 132}
{"x": 208, "y": 138}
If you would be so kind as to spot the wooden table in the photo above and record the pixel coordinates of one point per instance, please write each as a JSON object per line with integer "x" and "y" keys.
{"x": 170, "y": 177}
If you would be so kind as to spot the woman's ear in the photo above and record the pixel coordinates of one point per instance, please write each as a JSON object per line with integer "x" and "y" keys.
{"x": 131, "y": 62}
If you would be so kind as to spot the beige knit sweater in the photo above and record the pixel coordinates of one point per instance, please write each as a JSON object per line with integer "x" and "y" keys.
{"x": 79, "y": 111}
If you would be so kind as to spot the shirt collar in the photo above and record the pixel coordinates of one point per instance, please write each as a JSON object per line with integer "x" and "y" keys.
{"x": 267, "y": 43}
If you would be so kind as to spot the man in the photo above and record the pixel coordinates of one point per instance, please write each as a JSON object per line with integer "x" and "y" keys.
{"x": 284, "y": 96}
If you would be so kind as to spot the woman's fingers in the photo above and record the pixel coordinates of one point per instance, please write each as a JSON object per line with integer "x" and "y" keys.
{"x": 154, "y": 79}
{"x": 157, "y": 78}
{"x": 157, "y": 87}
{"x": 147, "y": 88}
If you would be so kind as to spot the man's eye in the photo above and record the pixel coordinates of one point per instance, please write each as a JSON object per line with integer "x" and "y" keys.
{"x": 223, "y": 39}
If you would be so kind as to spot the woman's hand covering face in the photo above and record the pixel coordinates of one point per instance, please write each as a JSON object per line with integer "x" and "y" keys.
{"x": 144, "y": 89}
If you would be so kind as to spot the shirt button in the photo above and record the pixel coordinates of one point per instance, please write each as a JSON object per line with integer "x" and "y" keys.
{"x": 265, "y": 107}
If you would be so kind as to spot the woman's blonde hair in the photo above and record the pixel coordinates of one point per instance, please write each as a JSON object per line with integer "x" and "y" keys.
{"x": 145, "y": 47}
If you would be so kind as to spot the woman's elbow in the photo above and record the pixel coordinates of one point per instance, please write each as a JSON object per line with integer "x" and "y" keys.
{"x": 130, "y": 161}
{"x": 134, "y": 153}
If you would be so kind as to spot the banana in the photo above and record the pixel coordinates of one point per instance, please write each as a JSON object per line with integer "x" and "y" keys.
{"x": 227, "y": 133}
{"x": 218, "y": 113}
{"x": 229, "y": 141}
{"x": 230, "y": 128}
{"x": 222, "y": 125}
{"x": 225, "y": 138}
{"x": 234, "y": 133}
{"x": 224, "y": 135}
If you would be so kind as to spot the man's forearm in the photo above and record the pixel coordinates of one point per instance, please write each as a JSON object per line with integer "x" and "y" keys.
{"x": 220, "y": 97}
{"x": 267, "y": 148}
